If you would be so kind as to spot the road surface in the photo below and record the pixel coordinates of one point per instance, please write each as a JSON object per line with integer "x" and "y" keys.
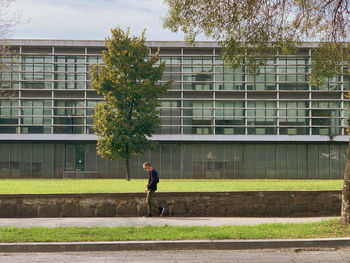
{"x": 194, "y": 256}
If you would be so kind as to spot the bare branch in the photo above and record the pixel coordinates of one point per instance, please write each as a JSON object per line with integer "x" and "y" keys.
{"x": 7, "y": 22}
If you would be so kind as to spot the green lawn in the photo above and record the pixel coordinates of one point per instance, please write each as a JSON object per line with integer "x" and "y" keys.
{"x": 324, "y": 229}
{"x": 19, "y": 186}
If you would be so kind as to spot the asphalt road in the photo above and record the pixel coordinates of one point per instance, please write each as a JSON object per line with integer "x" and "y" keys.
{"x": 179, "y": 256}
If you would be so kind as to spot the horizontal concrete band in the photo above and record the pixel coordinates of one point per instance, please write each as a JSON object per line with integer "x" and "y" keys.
{"x": 182, "y": 138}
{"x": 101, "y": 43}
{"x": 173, "y": 245}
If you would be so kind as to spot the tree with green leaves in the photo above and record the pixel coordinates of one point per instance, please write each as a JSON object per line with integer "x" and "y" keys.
{"x": 251, "y": 31}
{"x": 125, "y": 120}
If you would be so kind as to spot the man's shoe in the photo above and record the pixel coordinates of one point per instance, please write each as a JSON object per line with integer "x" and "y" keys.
{"x": 161, "y": 211}
{"x": 149, "y": 215}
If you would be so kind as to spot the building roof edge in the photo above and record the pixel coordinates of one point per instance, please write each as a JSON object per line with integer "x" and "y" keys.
{"x": 101, "y": 43}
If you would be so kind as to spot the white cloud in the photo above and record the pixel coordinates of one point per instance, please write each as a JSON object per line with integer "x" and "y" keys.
{"x": 91, "y": 19}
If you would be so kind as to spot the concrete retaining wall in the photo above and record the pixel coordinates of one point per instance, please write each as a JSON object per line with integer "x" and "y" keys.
{"x": 247, "y": 203}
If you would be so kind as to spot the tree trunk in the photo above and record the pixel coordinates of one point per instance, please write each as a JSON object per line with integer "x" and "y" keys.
{"x": 345, "y": 205}
{"x": 127, "y": 169}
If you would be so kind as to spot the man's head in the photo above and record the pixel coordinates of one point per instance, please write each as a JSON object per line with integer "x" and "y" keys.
{"x": 146, "y": 166}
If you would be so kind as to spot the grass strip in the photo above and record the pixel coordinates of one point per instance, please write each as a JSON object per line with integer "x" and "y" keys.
{"x": 48, "y": 186}
{"x": 323, "y": 229}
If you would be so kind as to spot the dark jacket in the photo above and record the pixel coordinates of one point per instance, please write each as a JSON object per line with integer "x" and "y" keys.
{"x": 153, "y": 180}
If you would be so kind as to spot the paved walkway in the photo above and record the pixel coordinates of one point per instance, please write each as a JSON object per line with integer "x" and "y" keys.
{"x": 153, "y": 221}
{"x": 162, "y": 245}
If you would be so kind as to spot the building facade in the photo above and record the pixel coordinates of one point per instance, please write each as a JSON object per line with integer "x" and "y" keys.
{"x": 216, "y": 122}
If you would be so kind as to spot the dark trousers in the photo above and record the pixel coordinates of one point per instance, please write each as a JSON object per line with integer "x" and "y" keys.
{"x": 149, "y": 201}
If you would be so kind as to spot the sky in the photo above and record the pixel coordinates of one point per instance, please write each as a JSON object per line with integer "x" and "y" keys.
{"x": 91, "y": 19}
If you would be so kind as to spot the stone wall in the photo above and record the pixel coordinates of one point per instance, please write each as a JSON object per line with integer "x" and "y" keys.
{"x": 238, "y": 203}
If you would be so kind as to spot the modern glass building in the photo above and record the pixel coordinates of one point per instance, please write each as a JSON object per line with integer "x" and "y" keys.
{"x": 216, "y": 122}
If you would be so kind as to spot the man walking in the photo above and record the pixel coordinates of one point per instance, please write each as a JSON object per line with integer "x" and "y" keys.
{"x": 151, "y": 187}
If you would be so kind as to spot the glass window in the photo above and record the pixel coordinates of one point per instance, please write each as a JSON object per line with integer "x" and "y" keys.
{"x": 261, "y": 116}
{"x": 70, "y": 68}
{"x": 15, "y": 160}
{"x": 200, "y": 116}
{"x": 170, "y": 113}
{"x": 294, "y": 115}
{"x": 5, "y": 159}
{"x": 9, "y": 116}
{"x": 80, "y": 157}
{"x": 48, "y": 160}
{"x": 326, "y": 118}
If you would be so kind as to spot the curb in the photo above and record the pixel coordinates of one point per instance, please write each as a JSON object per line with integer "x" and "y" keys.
{"x": 173, "y": 245}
